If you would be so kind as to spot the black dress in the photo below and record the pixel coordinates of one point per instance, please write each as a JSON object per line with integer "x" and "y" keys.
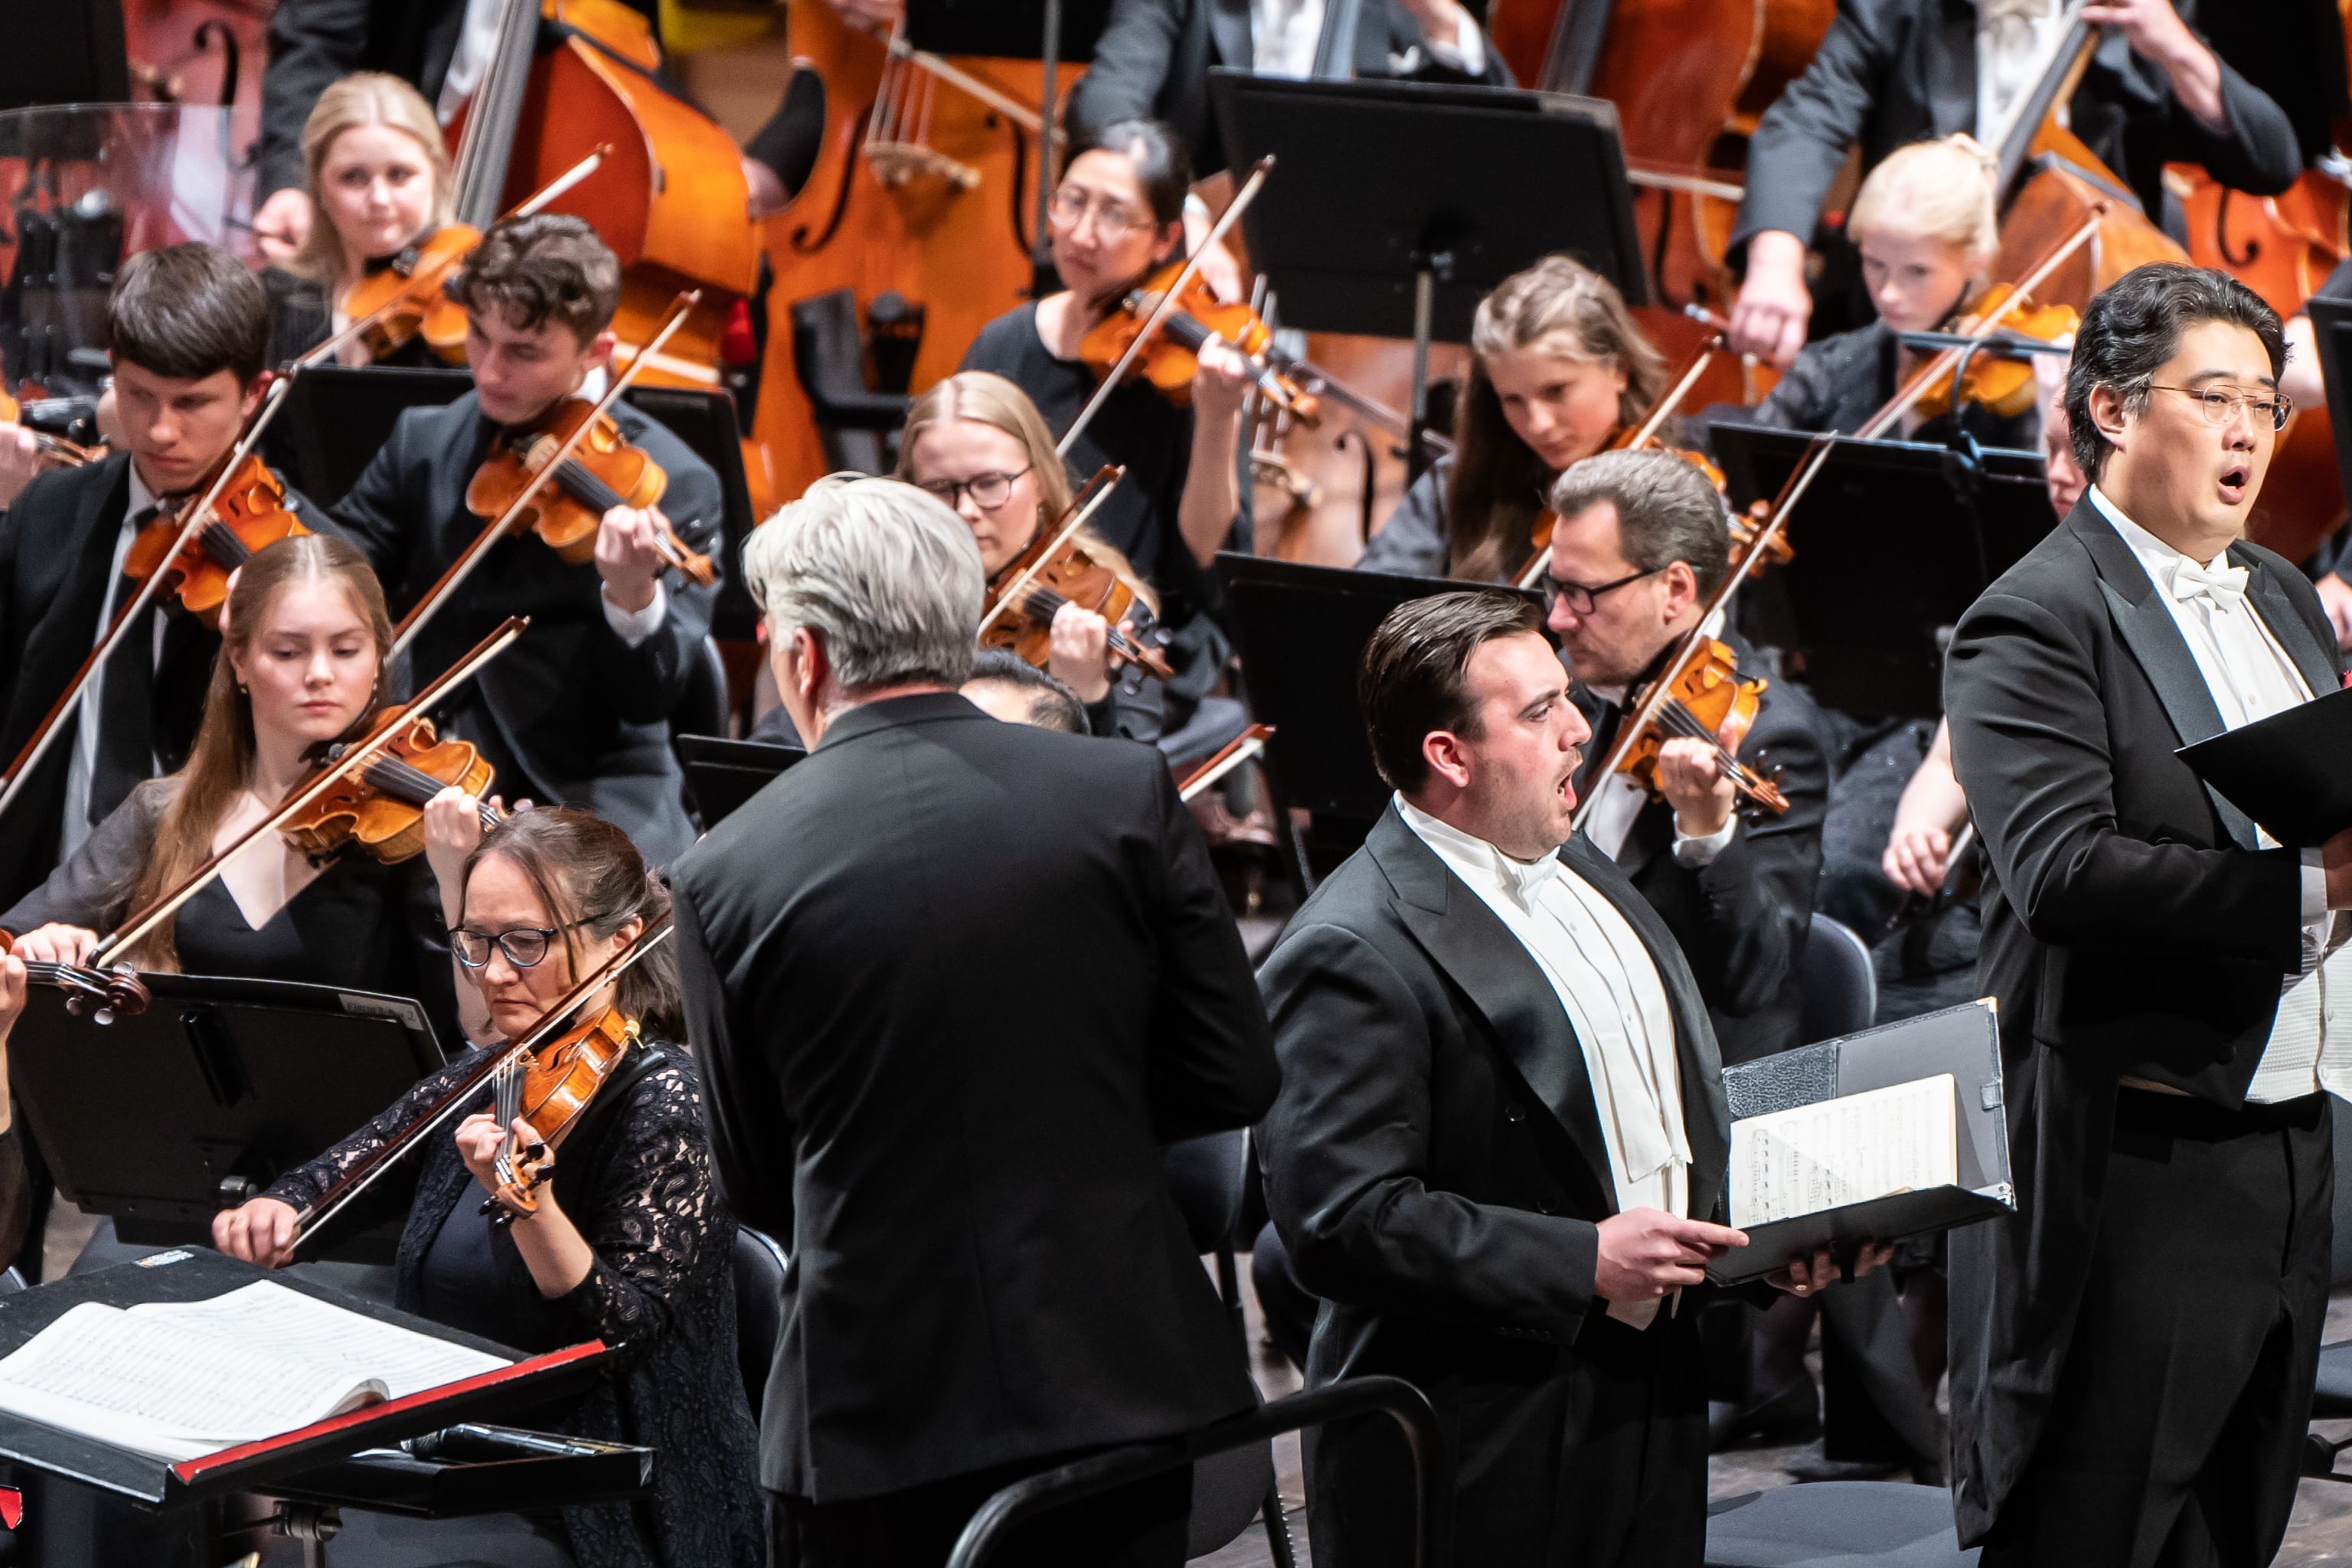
{"x": 359, "y": 924}
{"x": 1153, "y": 437}
{"x": 302, "y": 318}
{"x": 635, "y": 1175}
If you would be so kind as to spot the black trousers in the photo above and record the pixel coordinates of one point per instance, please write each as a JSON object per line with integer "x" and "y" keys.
{"x": 2175, "y": 1435}
{"x": 1142, "y": 1525}
{"x": 1601, "y": 1465}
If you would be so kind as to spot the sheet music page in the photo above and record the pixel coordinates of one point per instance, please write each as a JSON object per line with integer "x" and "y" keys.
{"x": 1902, "y": 1138}
{"x": 168, "y": 1389}
{"x": 266, "y": 1314}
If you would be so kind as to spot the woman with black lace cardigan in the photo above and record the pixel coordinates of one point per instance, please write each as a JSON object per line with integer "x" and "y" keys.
{"x": 630, "y": 1243}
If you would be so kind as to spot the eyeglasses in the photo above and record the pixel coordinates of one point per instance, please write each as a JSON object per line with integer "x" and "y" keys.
{"x": 987, "y": 490}
{"x": 2219, "y": 407}
{"x": 1580, "y": 598}
{"x": 1072, "y": 204}
{"x": 524, "y": 945}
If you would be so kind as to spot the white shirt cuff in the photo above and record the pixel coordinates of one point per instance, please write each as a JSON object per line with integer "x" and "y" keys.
{"x": 635, "y": 628}
{"x": 2314, "y": 886}
{"x": 1466, "y": 50}
{"x": 1694, "y": 852}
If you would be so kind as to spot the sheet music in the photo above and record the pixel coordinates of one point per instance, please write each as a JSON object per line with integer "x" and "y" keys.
{"x": 266, "y": 1312}
{"x": 1902, "y": 1138}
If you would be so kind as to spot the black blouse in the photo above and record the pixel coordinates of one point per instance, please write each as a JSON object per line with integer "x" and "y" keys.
{"x": 359, "y": 924}
{"x": 636, "y": 1178}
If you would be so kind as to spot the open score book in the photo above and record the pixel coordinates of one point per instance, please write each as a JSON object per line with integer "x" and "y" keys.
{"x": 1843, "y": 1151}
{"x": 178, "y": 1380}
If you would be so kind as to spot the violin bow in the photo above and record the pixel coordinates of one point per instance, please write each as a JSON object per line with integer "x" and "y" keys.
{"x": 530, "y": 205}
{"x": 1249, "y": 743}
{"x": 1166, "y": 305}
{"x": 1088, "y": 502}
{"x": 1703, "y": 356}
{"x": 350, "y": 762}
{"x": 197, "y": 516}
{"x": 335, "y": 1199}
{"x": 471, "y": 557}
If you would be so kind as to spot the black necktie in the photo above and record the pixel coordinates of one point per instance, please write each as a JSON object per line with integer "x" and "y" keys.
{"x": 126, "y": 697}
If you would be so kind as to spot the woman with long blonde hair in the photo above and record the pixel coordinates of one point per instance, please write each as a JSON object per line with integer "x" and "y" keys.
{"x": 977, "y": 442}
{"x": 301, "y": 663}
{"x": 1557, "y": 368}
{"x": 378, "y": 177}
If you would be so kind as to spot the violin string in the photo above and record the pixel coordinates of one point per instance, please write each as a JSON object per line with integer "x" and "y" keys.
{"x": 1685, "y": 722}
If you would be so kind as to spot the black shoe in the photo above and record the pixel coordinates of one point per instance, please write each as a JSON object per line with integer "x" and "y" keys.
{"x": 1791, "y": 1415}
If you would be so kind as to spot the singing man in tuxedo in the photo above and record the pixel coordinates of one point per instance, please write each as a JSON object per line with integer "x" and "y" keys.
{"x": 2133, "y": 1354}
{"x": 953, "y": 982}
{"x": 1499, "y": 1149}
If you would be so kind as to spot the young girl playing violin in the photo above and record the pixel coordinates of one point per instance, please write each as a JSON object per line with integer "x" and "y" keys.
{"x": 1557, "y": 369}
{"x": 976, "y": 442}
{"x": 1117, "y": 214}
{"x": 300, "y": 666}
{"x": 378, "y": 175}
{"x": 1925, "y": 224}
{"x": 628, "y": 1240}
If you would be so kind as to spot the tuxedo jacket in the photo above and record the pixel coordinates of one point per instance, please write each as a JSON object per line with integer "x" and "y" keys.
{"x": 570, "y": 713}
{"x": 1891, "y": 72}
{"x": 953, "y": 985}
{"x": 1742, "y": 920}
{"x": 56, "y": 550}
{"x": 1435, "y": 1159}
{"x": 2132, "y": 928}
{"x": 1152, "y": 63}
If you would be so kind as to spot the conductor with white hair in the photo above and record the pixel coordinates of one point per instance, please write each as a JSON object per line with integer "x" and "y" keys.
{"x": 953, "y": 982}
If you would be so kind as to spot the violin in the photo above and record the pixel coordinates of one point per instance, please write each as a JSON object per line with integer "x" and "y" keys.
{"x": 564, "y": 1083}
{"x": 55, "y": 451}
{"x": 100, "y": 994}
{"x": 249, "y": 513}
{"x": 1057, "y": 568}
{"x": 379, "y": 804}
{"x": 1704, "y": 700}
{"x": 2001, "y": 384}
{"x": 405, "y": 300}
{"x": 548, "y": 1090}
{"x": 1172, "y": 355}
{"x": 600, "y": 471}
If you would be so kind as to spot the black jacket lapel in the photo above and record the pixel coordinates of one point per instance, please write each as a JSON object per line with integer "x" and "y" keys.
{"x": 2145, "y": 623}
{"x": 1479, "y": 955}
{"x": 1229, "y": 35}
{"x": 65, "y": 634}
{"x": 2293, "y": 633}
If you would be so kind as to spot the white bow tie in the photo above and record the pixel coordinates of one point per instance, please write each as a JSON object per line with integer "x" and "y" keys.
{"x": 1528, "y": 878}
{"x": 2224, "y": 585}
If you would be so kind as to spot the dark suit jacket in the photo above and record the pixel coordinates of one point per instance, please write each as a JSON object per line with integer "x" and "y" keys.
{"x": 1152, "y": 63}
{"x": 56, "y": 546}
{"x": 1742, "y": 919}
{"x": 953, "y": 982}
{"x": 570, "y": 712}
{"x": 1434, "y": 1162}
{"x": 1889, "y": 72}
{"x": 2131, "y": 928}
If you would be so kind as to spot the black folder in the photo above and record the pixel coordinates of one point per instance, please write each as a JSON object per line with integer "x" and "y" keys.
{"x": 1963, "y": 1041}
{"x": 2292, "y": 773}
{"x": 722, "y": 774}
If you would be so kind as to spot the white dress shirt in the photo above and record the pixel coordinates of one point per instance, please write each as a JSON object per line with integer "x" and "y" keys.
{"x": 1285, "y": 33}
{"x": 1608, "y": 986}
{"x": 2016, "y": 42}
{"x": 2250, "y": 676}
{"x": 477, "y": 44}
{"x": 81, "y": 763}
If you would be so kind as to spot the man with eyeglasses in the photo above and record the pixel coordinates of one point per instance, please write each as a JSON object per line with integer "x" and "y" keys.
{"x": 2133, "y": 1353}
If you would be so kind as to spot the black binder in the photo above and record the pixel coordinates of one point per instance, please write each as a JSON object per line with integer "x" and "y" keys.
{"x": 1964, "y": 1041}
{"x": 2292, "y": 773}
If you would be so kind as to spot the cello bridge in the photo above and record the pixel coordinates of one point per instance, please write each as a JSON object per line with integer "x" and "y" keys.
{"x": 900, "y": 163}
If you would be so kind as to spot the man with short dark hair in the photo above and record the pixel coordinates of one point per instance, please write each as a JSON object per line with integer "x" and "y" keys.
{"x": 2133, "y": 1354}
{"x": 577, "y": 710}
{"x": 1007, "y": 686}
{"x": 1499, "y": 1149}
{"x": 188, "y": 329}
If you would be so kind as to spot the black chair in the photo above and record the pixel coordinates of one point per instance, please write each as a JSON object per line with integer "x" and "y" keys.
{"x": 1208, "y": 1177}
{"x": 704, "y": 710}
{"x": 760, "y": 1266}
{"x": 854, "y": 425}
{"x": 1836, "y": 1524}
{"x": 1839, "y": 985}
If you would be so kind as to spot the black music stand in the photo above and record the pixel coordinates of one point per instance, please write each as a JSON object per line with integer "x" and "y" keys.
{"x": 1395, "y": 205}
{"x": 1893, "y": 541}
{"x": 218, "y": 1087}
{"x": 1301, "y": 630}
{"x": 2331, "y": 332}
{"x": 722, "y": 774}
{"x": 338, "y": 416}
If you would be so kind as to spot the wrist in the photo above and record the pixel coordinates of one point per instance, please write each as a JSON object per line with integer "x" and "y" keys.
{"x": 629, "y": 594}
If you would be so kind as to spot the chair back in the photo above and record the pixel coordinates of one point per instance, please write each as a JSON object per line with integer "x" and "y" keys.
{"x": 1207, "y": 1177}
{"x": 760, "y": 1266}
{"x": 1838, "y": 986}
